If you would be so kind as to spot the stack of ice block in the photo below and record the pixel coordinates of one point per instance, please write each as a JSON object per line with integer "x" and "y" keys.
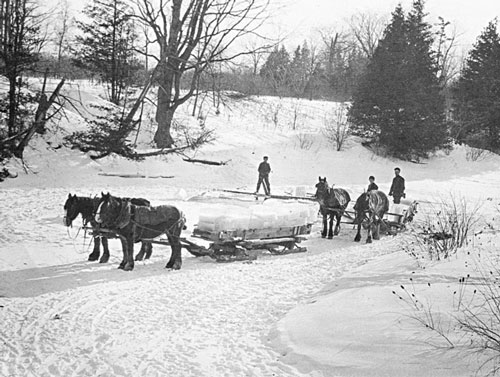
{"x": 259, "y": 216}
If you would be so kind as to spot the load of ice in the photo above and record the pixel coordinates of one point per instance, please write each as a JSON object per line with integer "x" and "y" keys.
{"x": 259, "y": 216}
{"x": 398, "y": 211}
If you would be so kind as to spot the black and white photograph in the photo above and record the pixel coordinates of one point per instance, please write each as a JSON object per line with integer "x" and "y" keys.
{"x": 249, "y": 188}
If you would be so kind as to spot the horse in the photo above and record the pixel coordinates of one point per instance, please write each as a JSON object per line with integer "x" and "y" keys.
{"x": 371, "y": 206}
{"x": 87, "y": 207}
{"x": 332, "y": 203}
{"x": 133, "y": 223}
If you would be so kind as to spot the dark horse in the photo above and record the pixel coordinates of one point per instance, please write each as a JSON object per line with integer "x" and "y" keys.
{"x": 370, "y": 206}
{"x": 134, "y": 223}
{"x": 332, "y": 203}
{"x": 87, "y": 207}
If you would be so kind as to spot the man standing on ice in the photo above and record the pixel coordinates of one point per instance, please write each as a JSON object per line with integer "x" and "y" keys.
{"x": 264, "y": 170}
{"x": 398, "y": 187}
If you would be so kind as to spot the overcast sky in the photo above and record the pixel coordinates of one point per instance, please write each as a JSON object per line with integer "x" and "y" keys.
{"x": 469, "y": 16}
{"x": 300, "y": 20}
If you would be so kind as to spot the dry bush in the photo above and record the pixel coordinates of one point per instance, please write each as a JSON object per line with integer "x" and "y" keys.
{"x": 473, "y": 322}
{"x": 336, "y": 127}
{"x": 444, "y": 229}
{"x": 480, "y": 319}
{"x": 476, "y": 154}
{"x": 305, "y": 141}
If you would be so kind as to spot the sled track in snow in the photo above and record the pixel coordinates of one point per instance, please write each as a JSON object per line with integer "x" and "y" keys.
{"x": 212, "y": 321}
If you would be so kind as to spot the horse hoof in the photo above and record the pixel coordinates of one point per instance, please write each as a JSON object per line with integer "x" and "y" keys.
{"x": 323, "y": 236}
{"x": 174, "y": 266}
{"x": 138, "y": 257}
{"x": 121, "y": 267}
{"x": 128, "y": 267}
{"x": 369, "y": 241}
{"x": 93, "y": 257}
{"x": 330, "y": 237}
{"x": 104, "y": 260}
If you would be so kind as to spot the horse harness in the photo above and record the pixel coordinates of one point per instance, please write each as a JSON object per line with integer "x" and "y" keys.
{"x": 127, "y": 215}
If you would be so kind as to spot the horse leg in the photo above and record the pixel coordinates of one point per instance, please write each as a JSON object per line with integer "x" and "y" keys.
{"x": 376, "y": 233}
{"x": 358, "y": 234}
{"x": 325, "y": 225}
{"x": 140, "y": 254}
{"x": 95, "y": 253}
{"x": 129, "y": 258}
{"x": 175, "y": 261}
{"x": 369, "y": 234}
{"x": 149, "y": 249}
{"x": 330, "y": 228}
{"x": 125, "y": 251}
{"x": 105, "y": 253}
{"x": 338, "y": 218}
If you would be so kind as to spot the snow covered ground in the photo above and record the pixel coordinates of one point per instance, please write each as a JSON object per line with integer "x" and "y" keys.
{"x": 327, "y": 312}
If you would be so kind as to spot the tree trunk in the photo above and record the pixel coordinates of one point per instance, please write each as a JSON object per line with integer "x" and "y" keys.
{"x": 164, "y": 117}
{"x": 164, "y": 110}
{"x": 40, "y": 118}
{"x": 12, "y": 105}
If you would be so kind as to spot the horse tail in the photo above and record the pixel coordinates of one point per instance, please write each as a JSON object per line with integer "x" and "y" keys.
{"x": 378, "y": 203}
{"x": 182, "y": 220}
{"x": 180, "y": 223}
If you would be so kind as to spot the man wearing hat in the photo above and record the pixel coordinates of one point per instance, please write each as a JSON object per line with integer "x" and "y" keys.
{"x": 264, "y": 170}
{"x": 398, "y": 187}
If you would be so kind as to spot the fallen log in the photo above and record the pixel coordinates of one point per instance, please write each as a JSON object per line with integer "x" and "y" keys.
{"x": 123, "y": 175}
{"x": 205, "y": 162}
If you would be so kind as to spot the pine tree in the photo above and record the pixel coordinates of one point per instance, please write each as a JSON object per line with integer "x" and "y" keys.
{"x": 398, "y": 102}
{"x": 276, "y": 70}
{"x": 477, "y": 93}
{"x": 106, "y": 46}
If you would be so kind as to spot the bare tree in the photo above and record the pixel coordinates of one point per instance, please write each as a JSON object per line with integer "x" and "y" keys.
{"x": 20, "y": 43}
{"x": 191, "y": 35}
{"x": 336, "y": 127}
{"x": 367, "y": 29}
{"x": 63, "y": 23}
{"x": 447, "y": 61}
{"x": 331, "y": 40}
{"x": 312, "y": 71}
{"x": 257, "y": 53}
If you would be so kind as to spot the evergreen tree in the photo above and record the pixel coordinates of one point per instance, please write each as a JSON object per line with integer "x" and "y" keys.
{"x": 106, "y": 46}
{"x": 398, "y": 102}
{"x": 300, "y": 70}
{"x": 477, "y": 93}
{"x": 276, "y": 70}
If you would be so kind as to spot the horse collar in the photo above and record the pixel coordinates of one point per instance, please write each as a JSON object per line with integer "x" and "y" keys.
{"x": 124, "y": 216}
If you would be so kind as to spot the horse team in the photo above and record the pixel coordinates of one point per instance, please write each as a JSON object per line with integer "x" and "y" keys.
{"x": 134, "y": 220}
{"x": 131, "y": 220}
{"x": 370, "y": 209}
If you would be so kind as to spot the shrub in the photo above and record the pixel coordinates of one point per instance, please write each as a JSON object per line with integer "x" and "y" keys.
{"x": 444, "y": 229}
{"x": 336, "y": 127}
{"x": 107, "y": 134}
{"x": 305, "y": 141}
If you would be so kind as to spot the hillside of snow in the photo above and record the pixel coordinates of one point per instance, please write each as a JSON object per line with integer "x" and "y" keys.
{"x": 326, "y": 312}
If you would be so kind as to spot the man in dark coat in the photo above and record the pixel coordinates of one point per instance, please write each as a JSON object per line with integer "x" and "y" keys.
{"x": 397, "y": 190}
{"x": 372, "y": 185}
{"x": 264, "y": 170}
